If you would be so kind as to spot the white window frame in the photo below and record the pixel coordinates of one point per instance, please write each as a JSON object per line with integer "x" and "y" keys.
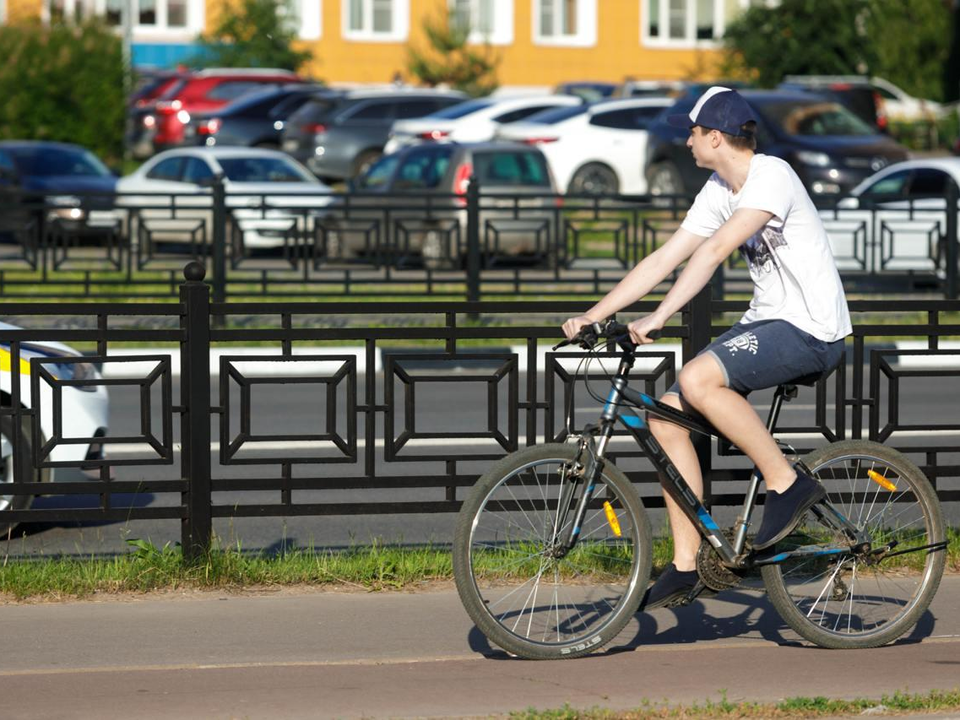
{"x": 400, "y": 26}
{"x": 3, "y": 12}
{"x": 586, "y": 35}
{"x": 690, "y": 35}
{"x": 308, "y": 15}
{"x": 502, "y": 23}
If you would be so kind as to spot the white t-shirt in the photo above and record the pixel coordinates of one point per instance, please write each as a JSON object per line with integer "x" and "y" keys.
{"x": 793, "y": 270}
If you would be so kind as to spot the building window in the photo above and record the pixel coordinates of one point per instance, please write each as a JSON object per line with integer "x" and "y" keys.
{"x": 683, "y": 23}
{"x": 305, "y": 16}
{"x": 490, "y": 21}
{"x": 376, "y": 20}
{"x": 565, "y": 22}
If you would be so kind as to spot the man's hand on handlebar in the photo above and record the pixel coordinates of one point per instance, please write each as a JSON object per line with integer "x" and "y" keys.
{"x": 586, "y": 333}
{"x": 573, "y": 326}
{"x": 645, "y": 330}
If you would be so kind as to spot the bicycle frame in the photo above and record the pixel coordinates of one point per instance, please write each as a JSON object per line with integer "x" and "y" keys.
{"x": 619, "y": 407}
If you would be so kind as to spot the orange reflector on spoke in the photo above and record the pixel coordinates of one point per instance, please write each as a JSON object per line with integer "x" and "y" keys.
{"x": 881, "y": 480}
{"x": 612, "y": 518}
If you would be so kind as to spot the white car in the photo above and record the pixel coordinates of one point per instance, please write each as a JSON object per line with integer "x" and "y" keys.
{"x": 83, "y": 414}
{"x": 900, "y": 105}
{"x": 597, "y": 149}
{"x": 472, "y": 121}
{"x": 271, "y": 196}
{"x": 895, "y": 219}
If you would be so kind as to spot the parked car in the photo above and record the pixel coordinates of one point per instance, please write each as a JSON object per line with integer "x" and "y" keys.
{"x": 631, "y": 88}
{"x": 272, "y": 199}
{"x": 587, "y": 90}
{"x": 896, "y": 218}
{"x": 424, "y": 188}
{"x": 82, "y": 412}
{"x": 160, "y": 124}
{"x": 256, "y": 119}
{"x": 339, "y": 134}
{"x": 857, "y": 94}
{"x": 889, "y": 100}
{"x": 830, "y": 148}
{"x": 473, "y": 121}
{"x": 53, "y": 187}
{"x": 597, "y": 149}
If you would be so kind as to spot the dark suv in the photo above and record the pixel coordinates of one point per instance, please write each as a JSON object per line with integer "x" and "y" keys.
{"x": 830, "y": 148}
{"x": 338, "y": 135}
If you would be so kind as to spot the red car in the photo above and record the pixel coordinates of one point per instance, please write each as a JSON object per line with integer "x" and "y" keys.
{"x": 161, "y": 126}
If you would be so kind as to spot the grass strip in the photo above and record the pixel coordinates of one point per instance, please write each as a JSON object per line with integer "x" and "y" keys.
{"x": 939, "y": 701}
{"x": 149, "y": 568}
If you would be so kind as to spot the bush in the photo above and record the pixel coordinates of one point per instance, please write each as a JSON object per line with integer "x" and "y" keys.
{"x": 63, "y": 82}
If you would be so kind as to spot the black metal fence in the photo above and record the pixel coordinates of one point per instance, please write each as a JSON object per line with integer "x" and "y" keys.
{"x": 374, "y": 379}
{"x": 458, "y": 247}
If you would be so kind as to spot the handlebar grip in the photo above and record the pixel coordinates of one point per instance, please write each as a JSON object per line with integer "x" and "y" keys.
{"x": 655, "y": 334}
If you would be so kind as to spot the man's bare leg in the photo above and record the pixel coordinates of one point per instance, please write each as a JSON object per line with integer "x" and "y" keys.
{"x": 676, "y": 441}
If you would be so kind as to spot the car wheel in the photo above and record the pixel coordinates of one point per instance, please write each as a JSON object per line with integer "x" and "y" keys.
{"x": 594, "y": 179}
{"x": 663, "y": 178}
{"x": 11, "y": 502}
{"x": 364, "y": 161}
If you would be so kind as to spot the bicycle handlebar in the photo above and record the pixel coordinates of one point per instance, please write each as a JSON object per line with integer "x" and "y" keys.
{"x": 591, "y": 335}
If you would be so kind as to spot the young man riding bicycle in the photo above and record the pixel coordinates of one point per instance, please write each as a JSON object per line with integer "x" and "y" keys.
{"x": 794, "y": 326}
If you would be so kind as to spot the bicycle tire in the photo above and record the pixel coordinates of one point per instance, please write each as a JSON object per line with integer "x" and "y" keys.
{"x": 501, "y": 562}
{"x": 848, "y": 601}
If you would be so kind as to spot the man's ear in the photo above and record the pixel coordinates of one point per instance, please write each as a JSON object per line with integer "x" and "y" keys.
{"x": 716, "y": 137}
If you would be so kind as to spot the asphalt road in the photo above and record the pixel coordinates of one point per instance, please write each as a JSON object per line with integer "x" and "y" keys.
{"x": 295, "y": 409}
{"x": 308, "y": 654}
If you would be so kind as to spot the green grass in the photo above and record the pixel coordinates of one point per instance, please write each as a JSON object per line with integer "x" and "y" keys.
{"x": 898, "y": 703}
{"x": 150, "y": 568}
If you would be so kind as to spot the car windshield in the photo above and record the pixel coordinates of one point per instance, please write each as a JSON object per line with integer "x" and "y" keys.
{"x": 513, "y": 167}
{"x": 461, "y": 109}
{"x": 555, "y": 115}
{"x": 815, "y": 119}
{"x": 263, "y": 170}
{"x": 54, "y": 161}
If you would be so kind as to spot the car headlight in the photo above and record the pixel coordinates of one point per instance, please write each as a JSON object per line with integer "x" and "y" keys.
{"x": 816, "y": 159}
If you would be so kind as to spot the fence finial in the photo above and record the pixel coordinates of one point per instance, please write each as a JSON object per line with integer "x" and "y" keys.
{"x": 194, "y": 271}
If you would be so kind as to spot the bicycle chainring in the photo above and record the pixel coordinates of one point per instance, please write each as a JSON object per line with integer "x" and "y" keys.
{"x": 714, "y": 574}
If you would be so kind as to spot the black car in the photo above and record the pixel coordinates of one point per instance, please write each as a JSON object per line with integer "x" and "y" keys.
{"x": 253, "y": 120}
{"x": 51, "y": 186}
{"x": 830, "y": 148}
{"x": 857, "y": 94}
{"x": 338, "y": 135}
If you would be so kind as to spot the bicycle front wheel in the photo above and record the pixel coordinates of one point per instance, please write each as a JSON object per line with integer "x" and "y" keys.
{"x": 846, "y": 599}
{"x": 525, "y": 594}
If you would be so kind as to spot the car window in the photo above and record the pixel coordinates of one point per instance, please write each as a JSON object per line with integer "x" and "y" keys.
{"x": 196, "y": 170}
{"x": 523, "y": 168}
{"x": 423, "y": 169}
{"x": 515, "y": 115}
{"x": 314, "y": 109}
{"x": 557, "y": 114}
{"x": 893, "y": 185}
{"x": 462, "y": 109}
{"x": 263, "y": 170}
{"x": 169, "y": 169}
{"x": 626, "y": 118}
{"x": 379, "y": 173}
{"x": 926, "y": 181}
{"x": 416, "y": 108}
{"x": 287, "y": 106}
{"x": 50, "y": 161}
{"x": 375, "y": 110}
{"x": 232, "y": 89}
{"x": 816, "y": 119}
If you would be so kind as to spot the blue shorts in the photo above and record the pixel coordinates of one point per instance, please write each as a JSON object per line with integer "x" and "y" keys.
{"x": 768, "y": 353}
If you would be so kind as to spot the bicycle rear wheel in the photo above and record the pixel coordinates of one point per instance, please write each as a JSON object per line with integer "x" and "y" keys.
{"x": 867, "y": 599}
{"x": 526, "y": 597}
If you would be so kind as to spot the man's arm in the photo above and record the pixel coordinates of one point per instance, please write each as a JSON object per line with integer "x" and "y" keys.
{"x": 741, "y": 226}
{"x": 647, "y": 274}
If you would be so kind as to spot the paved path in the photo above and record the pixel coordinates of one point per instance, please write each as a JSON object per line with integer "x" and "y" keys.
{"x": 314, "y": 654}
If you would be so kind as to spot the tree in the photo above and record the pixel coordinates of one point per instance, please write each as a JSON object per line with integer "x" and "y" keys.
{"x": 63, "y": 82}
{"x": 258, "y": 33}
{"x": 451, "y": 61}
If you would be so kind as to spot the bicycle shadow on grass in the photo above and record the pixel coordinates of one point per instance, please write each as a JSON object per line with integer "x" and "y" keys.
{"x": 733, "y": 614}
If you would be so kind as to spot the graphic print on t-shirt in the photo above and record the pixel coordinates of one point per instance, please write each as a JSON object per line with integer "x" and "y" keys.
{"x": 747, "y": 342}
{"x": 761, "y": 250}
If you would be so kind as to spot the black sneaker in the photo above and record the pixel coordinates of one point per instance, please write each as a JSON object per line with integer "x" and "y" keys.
{"x": 782, "y": 511}
{"x": 672, "y": 585}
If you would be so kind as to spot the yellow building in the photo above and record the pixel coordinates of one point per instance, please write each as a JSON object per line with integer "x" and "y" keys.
{"x": 538, "y": 42}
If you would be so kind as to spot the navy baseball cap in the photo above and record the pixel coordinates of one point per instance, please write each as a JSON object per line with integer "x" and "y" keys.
{"x": 719, "y": 108}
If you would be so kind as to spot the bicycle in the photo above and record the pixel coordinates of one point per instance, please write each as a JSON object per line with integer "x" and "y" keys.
{"x": 553, "y": 546}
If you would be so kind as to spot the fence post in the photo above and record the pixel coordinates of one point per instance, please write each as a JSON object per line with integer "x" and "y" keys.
{"x": 473, "y": 240}
{"x": 698, "y": 317}
{"x": 197, "y": 526}
{"x": 953, "y": 198}
{"x": 219, "y": 240}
